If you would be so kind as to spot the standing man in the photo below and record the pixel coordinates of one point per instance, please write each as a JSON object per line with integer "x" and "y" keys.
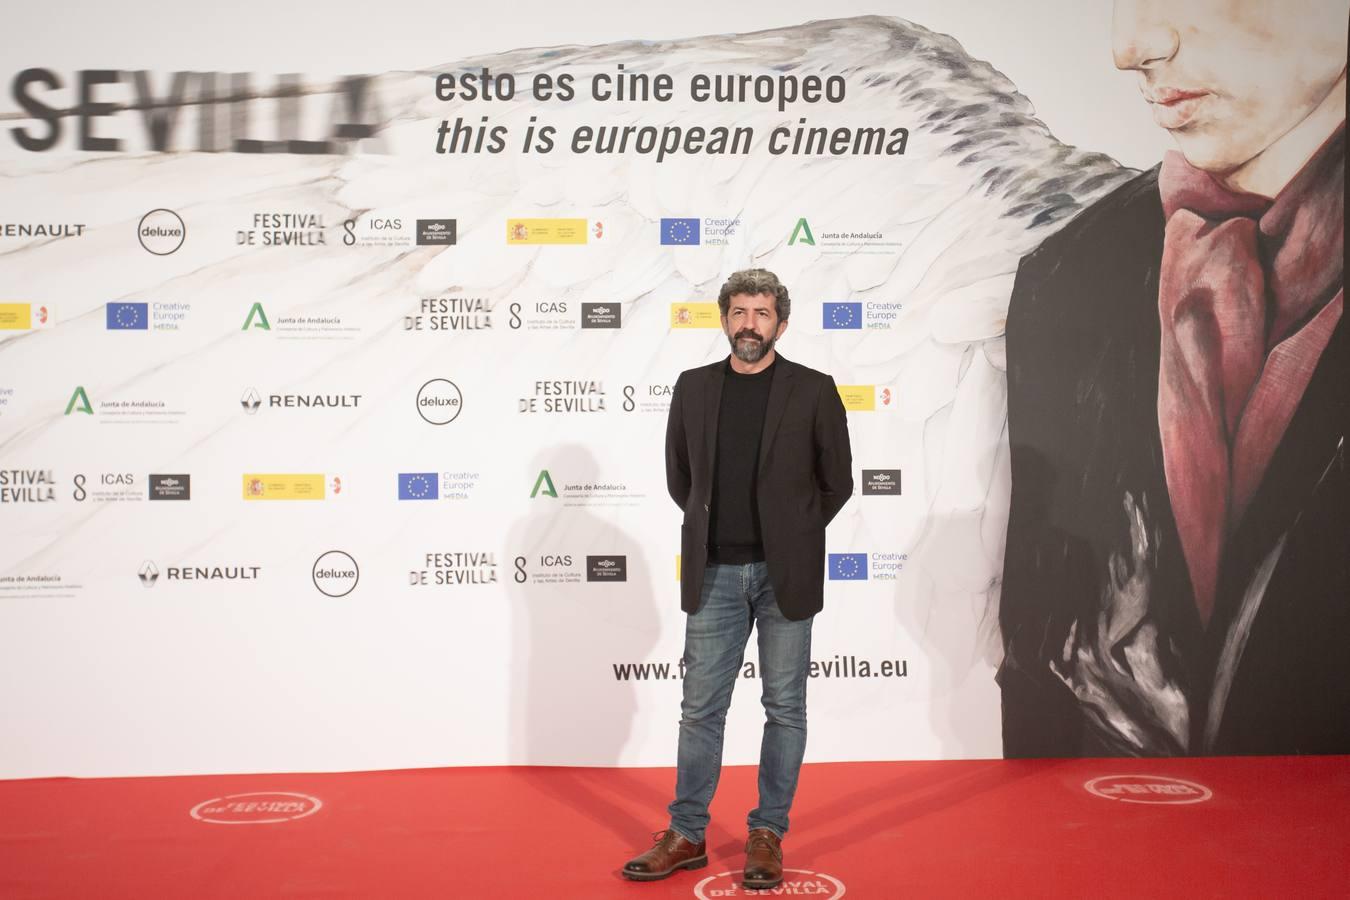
{"x": 757, "y": 456}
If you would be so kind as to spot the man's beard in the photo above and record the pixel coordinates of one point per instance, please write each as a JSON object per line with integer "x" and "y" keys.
{"x": 751, "y": 351}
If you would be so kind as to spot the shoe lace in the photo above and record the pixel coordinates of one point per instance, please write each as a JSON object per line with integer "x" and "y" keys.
{"x": 762, "y": 842}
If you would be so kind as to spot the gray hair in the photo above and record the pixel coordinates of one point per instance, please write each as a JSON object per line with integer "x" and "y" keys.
{"x": 754, "y": 282}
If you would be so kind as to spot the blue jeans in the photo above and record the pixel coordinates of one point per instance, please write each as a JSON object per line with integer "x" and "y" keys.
{"x": 735, "y": 598}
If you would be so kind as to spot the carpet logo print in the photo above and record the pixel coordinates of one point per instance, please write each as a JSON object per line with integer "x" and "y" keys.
{"x": 1148, "y": 789}
{"x": 796, "y": 883}
{"x": 257, "y": 808}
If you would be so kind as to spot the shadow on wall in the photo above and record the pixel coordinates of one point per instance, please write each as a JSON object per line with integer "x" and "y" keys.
{"x": 948, "y": 606}
{"x": 567, "y": 708}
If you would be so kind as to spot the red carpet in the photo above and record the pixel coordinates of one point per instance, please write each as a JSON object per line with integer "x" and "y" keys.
{"x": 1241, "y": 828}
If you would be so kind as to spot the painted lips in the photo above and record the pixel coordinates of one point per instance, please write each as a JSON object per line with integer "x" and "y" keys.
{"x": 1174, "y": 108}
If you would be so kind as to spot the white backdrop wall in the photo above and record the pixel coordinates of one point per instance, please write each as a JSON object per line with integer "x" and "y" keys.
{"x": 486, "y": 626}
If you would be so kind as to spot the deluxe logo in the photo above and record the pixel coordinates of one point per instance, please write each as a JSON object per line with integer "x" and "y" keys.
{"x": 439, "y": 401}
{"x": 801, "y": 233}
{"x": 284, "y": 486}
{"x": 601, "y": 315}
{"x": 796, "y": 883}
{"x": 256, "y": 318}
{"x": 171, "y": 487}
{"x": 256, "y": 808}
{"x": 437, "y": 232}
{"x": 842, "y": 316}
{"x": 607, "y": 568}
{"x": 544, "y": 485}
{"x": 548, "y": 231}
{"x": 250, "y": 401}
{"x": 881, "y": 482}
{"x": 128, "y": 316}
{"x": 148, "y": 573}
{"x": 41, "y": 229}
{"x": 679, "y": 231}
{"x": 848, "y": 566}
{"x": 27, "y": 486}
{"x": 79, "y": 402}
{"x": 23, "y": 317}
{"x": 1158, "y": 789}
{"x": 695, "y": 315}
{"x": 161, "y": 232}
{"x": 226, "y": 104}
{"x": 336, "y": 573}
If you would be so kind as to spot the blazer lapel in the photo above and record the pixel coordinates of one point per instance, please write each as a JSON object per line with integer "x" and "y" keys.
{"x": 712, "y": 405}
{"x": 779, "y": 390}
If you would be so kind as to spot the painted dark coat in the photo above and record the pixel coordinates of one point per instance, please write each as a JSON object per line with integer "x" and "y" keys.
{"x": 1091, "y": 523}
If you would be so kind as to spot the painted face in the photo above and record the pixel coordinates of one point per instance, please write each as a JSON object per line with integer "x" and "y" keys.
{"x": 1228, "y": 78}
{"x": 752, "y": 326}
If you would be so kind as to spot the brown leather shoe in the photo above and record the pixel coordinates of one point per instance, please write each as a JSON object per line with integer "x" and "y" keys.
{"x": 763, "y": 860}
{"x": 672, "y": 851}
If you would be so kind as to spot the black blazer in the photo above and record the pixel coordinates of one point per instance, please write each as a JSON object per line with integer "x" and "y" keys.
{"x": 1083, "y": 354}
{"x": 805, "y": 477}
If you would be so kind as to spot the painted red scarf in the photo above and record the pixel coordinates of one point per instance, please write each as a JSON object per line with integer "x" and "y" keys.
{"x": 1249, "y": 293}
